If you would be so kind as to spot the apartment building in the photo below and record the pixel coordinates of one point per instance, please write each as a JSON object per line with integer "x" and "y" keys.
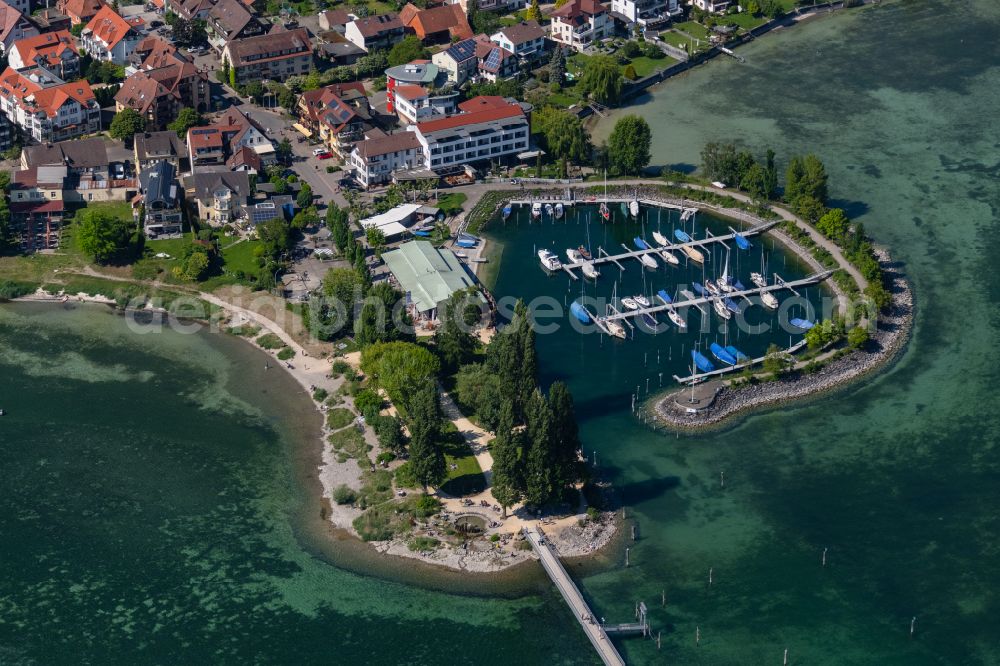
{"x": 374, "y": 160}
{"x": 580, "y": 23}
{"x": 526, "y": 40}
{"x": 161, "y": 201}
{"x": 275, "y": 56}
{"x": 45, "y": 107}
{"x": 55, "y": 51}
{"x": 109, "y": 37}
{"x": 488, "y": 128}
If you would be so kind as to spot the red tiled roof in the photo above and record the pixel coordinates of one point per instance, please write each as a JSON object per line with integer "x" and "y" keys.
{"x": 461, "y": 120}
{"x": 80, "y": 10}
{"x": 48, "y": 47}
{"x": 38, "y": 207}
{"x": 426, "y": 22}
{"x": 409, "y": 92}
{"x": 576, "y": 9}
{"x": 204, "y": 137}
{"x": 109, "y": 27}
{"x": 49, "y": 99}
{"x": 483, "y": 102}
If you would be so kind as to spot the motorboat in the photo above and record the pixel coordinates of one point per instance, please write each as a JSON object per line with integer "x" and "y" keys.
{"x": 669, "y": 257}
{"x": 641, "y": 300}
{"x": 423, "y": 230}
{"x": 758, "y": 279}
{"x": 701, "y": 362}
{"x": 549, "y": 210}
{"x": 579, "y": 312}
{"x": 660, "y": 239}
{"x": 633, "y": 208}
{"x": 590, "y": 271}
{"x": 719, "y": 352}
{"x": 584, "y": 252}
{"x": 574, "y": 256}
{"x": 629, "y": 303}
{"x": 506, "y": 211}
{"x": 648, "y": 261}
{"x": 769, "y": 300}
{"x": 712, "y": 287}
{"x": 676, "y": 318}
{"x": 536, "y": 210}
{"x": 549, "y": 260}
{"x": 721, "y": 309}
{"x": 559, "y": 210}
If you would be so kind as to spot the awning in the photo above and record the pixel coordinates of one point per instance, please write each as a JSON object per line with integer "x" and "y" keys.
{"x": 302, "y": 130}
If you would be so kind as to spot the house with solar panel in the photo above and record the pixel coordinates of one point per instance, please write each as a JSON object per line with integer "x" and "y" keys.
{"x": 160, "y": 201}
{"x": 458, "y": 62}
{"x": 526, "y": 40}
{"x": 338, "y": 124}
{"x": 494, "y": 62}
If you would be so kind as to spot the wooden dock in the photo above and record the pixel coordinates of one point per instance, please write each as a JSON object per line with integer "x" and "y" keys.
{"x": 697, "y": 302}
{"x": 702, "y": 376}
{"x": 571, "y": 594}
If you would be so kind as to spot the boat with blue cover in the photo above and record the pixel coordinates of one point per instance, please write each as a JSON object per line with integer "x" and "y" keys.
{"x": 731, "y": 304}
{"x": 664, "y": 296}
{"x": 741, "y": 241}
{"x": 682, "y": 236}
{"x": 801, "y": 323}
{"x": 579, "y": 312}
{"x": 640, "y": 244}
{"x": 698, "y": 287}
{"x": 506, "y": 211}
{"x": 703, "y": 363}
{"x": 467, "y": 240}
{"x": 650, "y": 320}
{"x": 740, "y": 356}
{"x": 719, "y": 352}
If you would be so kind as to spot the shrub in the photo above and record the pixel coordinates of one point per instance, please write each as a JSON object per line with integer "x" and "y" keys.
{"x": 420, "y": 543}
{"x": 593, "y": 513}
{"x": 385, "y": 457}
{"x": 340, "y": 367}
{"x": 344, "y": 495}
{"x": 405, "y": 478}
{"x": 286, "y": 354}
{"x": 523, "y": 545}
{"x": 494, "y": 538}
{"x": 11, "y": 289}
{"x": 368, "y": 402}
{"x": 857, "y": 337}
{"x": 426, "y": 505}
{"x": 270, "y": 341}
{"x": 320, "y": 394}
{"x": 339, "y": 418}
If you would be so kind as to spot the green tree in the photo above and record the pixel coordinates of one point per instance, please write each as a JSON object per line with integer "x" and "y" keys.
{"x": 534, "y": 12}
{"x": 557, "y": 66}
{"x": 275, "y": 237}
{"x": 602, "y": 78}
{"x": 5, "y": 229}
{"x": 376, "y": 240}
{"x": 805, "y": 177}
{"x": 453, "y": 338}
{"x": 770, "y": 175}
{"x": 565, "y": 436}
{"x": 834, "y": 224}
{"x": 629, "y": 145}
{"x": 232, "y": 78}
{"x": 399, "y": 368}
{"x": 565, "y": 137}
{"x": 754, "y": 183}
{"x": 426, "y": 455}
{"x": 185, "y": 120}
{"x": 389, "y": 431}
{"x": 809, "y": 208}
{"x": 540, "y": 463}
{"x": 284, "y": 151}
{"x": 482, "y": 391}
{"x": 104, "y": 237}
{"x": 629, "y": 72}
{"x": 374, "y": 321}
{"x": 225, "y": 68}
{"x": 127, "y": 123}
{"x": 507, "y": 464}
{"x": 406, "y": 50}
{"x": 254, "y": 90}
{"x": 304, "y": 198}
{"x": 196, "y": 265}
{"x": 857, "y": 337}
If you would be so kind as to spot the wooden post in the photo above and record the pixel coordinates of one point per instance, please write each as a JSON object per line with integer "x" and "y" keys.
{"x": 663, "y": 598}
{"x": 626, "y": 558}
{"x": 913, "y": 626}
{"x": 697, "y": 635}
{"x": 710, "y": 569}
{"x": 785, "y": 661}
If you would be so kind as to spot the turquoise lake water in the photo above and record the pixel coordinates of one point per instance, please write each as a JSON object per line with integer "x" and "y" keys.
{"x": 157, "y": 506}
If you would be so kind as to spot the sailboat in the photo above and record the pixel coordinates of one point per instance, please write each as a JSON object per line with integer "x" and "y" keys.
{"x": 660, "y": 239}
{"x": 536, "y": 210}
{"x": 506, "y": 212}
{"x": 768, "y": 300}
{"x": 590, "y": 271}
{"x": 641, "y": 300}
{"x": 693, "y": 254}
{"x": 725, "y": 282}
{"x": 804, "y": 324}
{"x": 741, "y": 241}
{"x": 703, "y": 363}
{"x": 615, "y": 329}
{"x": 721, "y": 309}
{"x": 712, "y": 287}
{"x": 676, "y": 318}
{"x": 549, "y": 210}
{"x": 630, "y": 303}
{"x": 584, "y": 252}
{"x": 559, "y": 210}
{"x": 664, "y": 297}
{"x": 633, "y": 208}
{"x": 698, "y": 287}
{"x": 579, "y": 312}
{"x": 719, "y": 352}
{"x": 605, "y": 213}
{"x": 740, "y": 356}
{"x": 624, "y": 207}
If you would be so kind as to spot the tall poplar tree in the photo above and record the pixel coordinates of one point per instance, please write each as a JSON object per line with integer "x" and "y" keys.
{"x": 426, "y": 455}
{"x": 507, "y": 463}
{"x": 539, "y": 478}
{"x": 565, "y": 436}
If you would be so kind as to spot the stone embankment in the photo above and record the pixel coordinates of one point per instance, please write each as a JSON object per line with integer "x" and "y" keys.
{"x": 887, "y": 340}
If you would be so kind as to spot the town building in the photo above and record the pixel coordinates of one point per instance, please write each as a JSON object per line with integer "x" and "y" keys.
{"x": 415, "y": 104}
{"x": 234, "y": 140}
{"x": 427, "y": 275}
{"x": 45, "y": 107}
{"x": 37, "y": 207}
{"x": 338, "y": 123}
{"x": 493, "y": 62}
{"x": 336, "y": 50}
{"x": 50, "y": 20}
{"x": 6, "y": 133}
{"x": 487, "y": 129}
{"x": 148, "y": 148}
{"x": 579, "y": 23}
{"x": 109, "y": 37}
{"x": 55, "y": 51}
{"x": 711, "y": 6}
{"x": 416, "y": 73}
{"x": 644, "y": 12}
{"x": 458, "y": 62}
{"x": 229, "y": 20}
{"x": 335, "y": 19}
{"x": 375, "y": 32}
{"x": 85, "y": 159}
{"x": 160, "y": 201}
{"x": 191, "y": 10}
{"x": 436, "y": 25}
{"x": 165, "y": 83}
{"x": 79, "y": 11}
{"x": 14, "y": 26}
{"x": 501, "y": 6}
{"x": 374, "y": 160}
{"x": 275, "y": 56}
{"x": 220, "y": 196}
{"x": 526, "y": 40}
{"x": 396, "y": 221}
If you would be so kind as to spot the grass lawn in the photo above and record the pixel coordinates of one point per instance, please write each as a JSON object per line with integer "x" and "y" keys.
{"x": 467, "y": 478}
{"x": 645, "y": 66}
{"x": 241, "y": 257}
{"x": 451, "y": 204}
{"x": 120, "y": 209}
{"x": 171, "y": 246}
{"x": 696, "y": 30}
{"x": 745, "y": 20}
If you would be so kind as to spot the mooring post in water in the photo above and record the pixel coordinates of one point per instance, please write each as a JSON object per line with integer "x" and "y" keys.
{"x": 647, "y": 385}
{"x": 824, "y": 557}
{"x": 658, "y": 639}
{"x": 645, "y": 359}
{"x": 722, "y": 479}
{"x": 633, "y": 533}
{"x": 663, "y": 598}
{"x": 785, "y": 660}
{"x": 626, "y": 556}
{"x": 697, "y": 635}
{"x": 710, "y": 569}
{"x": 913, "y": 625}
{"x": 661, "y": 379}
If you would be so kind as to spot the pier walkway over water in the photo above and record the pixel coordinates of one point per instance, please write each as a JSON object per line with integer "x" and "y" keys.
{"x": 571, "y": 594}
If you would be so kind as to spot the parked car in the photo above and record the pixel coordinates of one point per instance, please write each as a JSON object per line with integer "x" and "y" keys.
{"x": 325, "y": 155}
{"x": 319, "y": 151}
{"x": 118, "y": 171}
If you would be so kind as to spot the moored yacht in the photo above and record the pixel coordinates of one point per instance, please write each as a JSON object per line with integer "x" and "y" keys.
{"x": 549, "y": 260}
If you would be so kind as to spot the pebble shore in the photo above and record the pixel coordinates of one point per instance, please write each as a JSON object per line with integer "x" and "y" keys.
{"x": 889, "y": 338}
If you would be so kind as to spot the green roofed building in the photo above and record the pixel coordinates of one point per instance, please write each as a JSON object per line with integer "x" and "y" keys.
{"x": 427, "y": 275}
